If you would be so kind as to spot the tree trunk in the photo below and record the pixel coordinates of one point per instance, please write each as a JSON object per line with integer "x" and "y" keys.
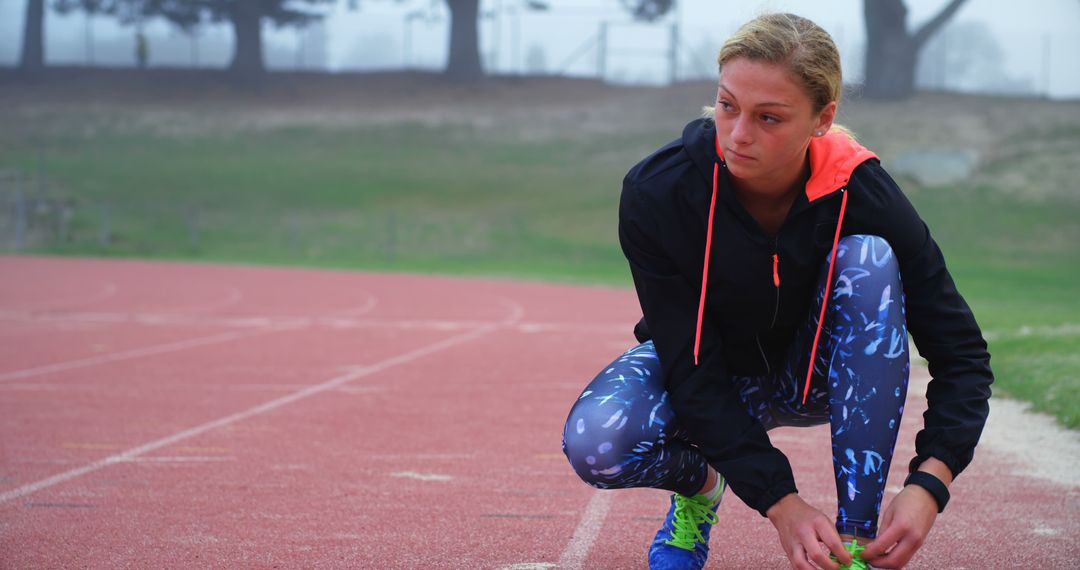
{"x": 247, "y": 60}
{"x": 464, "y": 61}
{"x": 891, "y": 52}
{"x": 32, "y": 59}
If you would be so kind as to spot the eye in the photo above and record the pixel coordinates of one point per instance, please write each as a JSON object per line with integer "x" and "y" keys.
{"x": 769, "y": 119}
{"x": 725, "y": 106}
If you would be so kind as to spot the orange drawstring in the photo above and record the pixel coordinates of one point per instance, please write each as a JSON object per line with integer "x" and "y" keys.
{"x": 705, "y": 269}
{"x": 825, "y": 300}
{"x": 776, "y": 269}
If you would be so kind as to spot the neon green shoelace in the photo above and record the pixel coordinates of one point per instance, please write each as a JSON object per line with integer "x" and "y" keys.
{"x": 689, "y": 513}
{"x": 857, "y": 563}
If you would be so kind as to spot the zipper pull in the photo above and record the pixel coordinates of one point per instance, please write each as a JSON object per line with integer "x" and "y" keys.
{"x": 776, "y": 269}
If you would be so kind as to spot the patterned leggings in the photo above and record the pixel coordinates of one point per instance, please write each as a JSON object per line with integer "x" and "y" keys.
{"x": 621, "y": 431}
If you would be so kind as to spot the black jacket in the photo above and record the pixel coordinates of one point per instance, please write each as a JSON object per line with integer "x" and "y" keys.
{"x": 749, "y": 321}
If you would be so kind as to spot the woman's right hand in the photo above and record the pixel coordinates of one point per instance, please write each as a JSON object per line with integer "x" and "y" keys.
{"x": 806, "y": 534}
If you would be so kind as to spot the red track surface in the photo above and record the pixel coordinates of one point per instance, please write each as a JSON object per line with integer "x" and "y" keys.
{"x": 189, "y": 416}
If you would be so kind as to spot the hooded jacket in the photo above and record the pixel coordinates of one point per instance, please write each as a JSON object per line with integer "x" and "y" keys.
{"x": 737, "y": 314}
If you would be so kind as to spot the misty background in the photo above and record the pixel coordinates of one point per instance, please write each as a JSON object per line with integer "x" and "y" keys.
{"x": 989, "y": 46}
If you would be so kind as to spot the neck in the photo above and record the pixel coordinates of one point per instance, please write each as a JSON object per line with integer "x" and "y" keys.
{"x": 774, "y": 191}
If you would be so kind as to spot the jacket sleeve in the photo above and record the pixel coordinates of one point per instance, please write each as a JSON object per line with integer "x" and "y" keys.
{"x": 703, "y": 398}
{"x": 944, "y": 330}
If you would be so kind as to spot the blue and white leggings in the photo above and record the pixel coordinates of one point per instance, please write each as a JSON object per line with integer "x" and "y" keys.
{"x": 622, "y": 433}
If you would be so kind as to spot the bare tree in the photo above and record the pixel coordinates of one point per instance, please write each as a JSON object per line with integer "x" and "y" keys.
{"x": 648, "y": 10}
{"x": 464, "y": 60}
{"x": 891, "y": 51}
{"x": 246, "y": 17}
{"x": 32, "y": 58}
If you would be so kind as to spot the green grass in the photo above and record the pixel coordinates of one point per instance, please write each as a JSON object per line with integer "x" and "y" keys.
{"x": 454, "y": 200}
{"x": 402, "y": 198}
{"x": 1017, "y": 263}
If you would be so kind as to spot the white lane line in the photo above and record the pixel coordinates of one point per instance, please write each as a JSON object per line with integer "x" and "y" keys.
{"x": 347, "y": 320}
{"x": 181, "y": 459}
{"x": 134, "y": 353}
{"x": 359, "y": 372}
{"x": 237, "y": 321}
{"x": 421, "y": 476}
{"x": 262, "y": 327}
{"x": 577, "y": 550}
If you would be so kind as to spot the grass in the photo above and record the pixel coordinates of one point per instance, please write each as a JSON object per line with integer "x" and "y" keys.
{"x": 460, "y": 201}
{"x": 385, "y": 198}
{"x": 1017, "y": 263}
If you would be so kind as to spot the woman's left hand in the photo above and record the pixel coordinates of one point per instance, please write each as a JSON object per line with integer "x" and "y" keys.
{"x": 904, "y": 528}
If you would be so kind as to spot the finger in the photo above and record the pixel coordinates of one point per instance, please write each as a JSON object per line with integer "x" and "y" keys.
{"x": 798, "y": 558}
{"x": 883, "y": 542}
{"x": 821, "y": 557}
{"x": 899, "y": 556}
{"x": 828, "y": 535}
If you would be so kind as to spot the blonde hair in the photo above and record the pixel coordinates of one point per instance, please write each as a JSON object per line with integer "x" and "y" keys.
{"x": 799, "y": 45}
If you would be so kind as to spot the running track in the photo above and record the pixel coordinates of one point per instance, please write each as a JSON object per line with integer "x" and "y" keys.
{"x": 164, "y": 415}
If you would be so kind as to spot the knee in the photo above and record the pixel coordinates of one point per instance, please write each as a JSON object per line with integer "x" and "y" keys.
{"x": 595, "y": 453}
{"x": 605, "y": 429}
{"x": 869, "y": 252}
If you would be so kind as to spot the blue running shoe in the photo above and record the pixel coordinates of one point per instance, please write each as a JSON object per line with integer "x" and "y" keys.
{"x": 682, "y": 543}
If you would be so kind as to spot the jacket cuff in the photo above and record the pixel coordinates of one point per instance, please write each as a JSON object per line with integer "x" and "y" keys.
{"x": 773, "y": 494}
{"x": 955, "y": 465}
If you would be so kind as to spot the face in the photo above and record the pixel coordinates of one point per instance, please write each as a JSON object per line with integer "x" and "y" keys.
{"x": 765, "y": 120}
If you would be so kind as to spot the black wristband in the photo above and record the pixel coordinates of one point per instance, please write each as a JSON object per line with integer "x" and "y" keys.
{"x": 932, "y": 484}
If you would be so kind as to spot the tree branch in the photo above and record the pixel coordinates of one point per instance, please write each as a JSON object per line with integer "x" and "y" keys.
{"x": 930, "y": 28}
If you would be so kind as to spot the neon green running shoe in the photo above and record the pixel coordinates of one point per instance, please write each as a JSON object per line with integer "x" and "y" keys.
{"x": 682, "y": 543}
{"x": 857, "y": 562}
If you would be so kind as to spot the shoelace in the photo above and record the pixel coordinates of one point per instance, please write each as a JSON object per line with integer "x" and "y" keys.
{"x": 857, "y": 562}
{"x": 688, "y": 515}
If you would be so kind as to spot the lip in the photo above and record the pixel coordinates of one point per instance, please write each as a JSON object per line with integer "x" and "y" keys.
{"x": 739, "y": 156}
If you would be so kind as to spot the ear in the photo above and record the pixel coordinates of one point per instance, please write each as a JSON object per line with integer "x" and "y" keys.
{"x": 825, "y": 118}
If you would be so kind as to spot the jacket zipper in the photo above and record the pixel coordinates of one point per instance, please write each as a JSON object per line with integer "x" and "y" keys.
{"x": 776, "y": 280}
{"x": 776, "y": 307}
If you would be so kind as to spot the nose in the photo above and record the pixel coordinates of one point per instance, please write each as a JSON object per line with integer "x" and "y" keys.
{"x": 740, "y": 131}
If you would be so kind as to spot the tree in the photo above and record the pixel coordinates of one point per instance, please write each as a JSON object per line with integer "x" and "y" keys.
{"x": 246, "y": 17}
{"x": 32, "y": 58}
{"x": 648, "y": 10}
{"x": 892, "y": 52}
{"x": 463, "y": 62}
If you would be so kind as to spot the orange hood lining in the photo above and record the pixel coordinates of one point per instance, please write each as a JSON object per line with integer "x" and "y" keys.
{"x": 833, "y": 158}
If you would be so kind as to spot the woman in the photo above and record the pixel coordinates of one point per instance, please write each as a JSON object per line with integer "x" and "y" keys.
{"x": 736, "y": 234}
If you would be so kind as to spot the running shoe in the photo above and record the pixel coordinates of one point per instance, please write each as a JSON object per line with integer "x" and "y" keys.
{"x": 682, "y": 543}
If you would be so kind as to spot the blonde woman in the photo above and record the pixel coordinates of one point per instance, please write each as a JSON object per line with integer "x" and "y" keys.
{"x": 779, "y": 269}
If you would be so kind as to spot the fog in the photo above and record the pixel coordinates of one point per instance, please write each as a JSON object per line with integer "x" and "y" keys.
{"x": 988, "y": 46}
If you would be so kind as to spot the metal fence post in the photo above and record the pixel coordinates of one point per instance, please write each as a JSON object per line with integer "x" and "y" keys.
{"x": 391, "y": 236}
{"x": 106, "y": 222}
{"x": 601, "y": 51}
{"x": 193, "y": 228}
{"x": 20, "y": 214}
{"x": 673, "y": 54}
